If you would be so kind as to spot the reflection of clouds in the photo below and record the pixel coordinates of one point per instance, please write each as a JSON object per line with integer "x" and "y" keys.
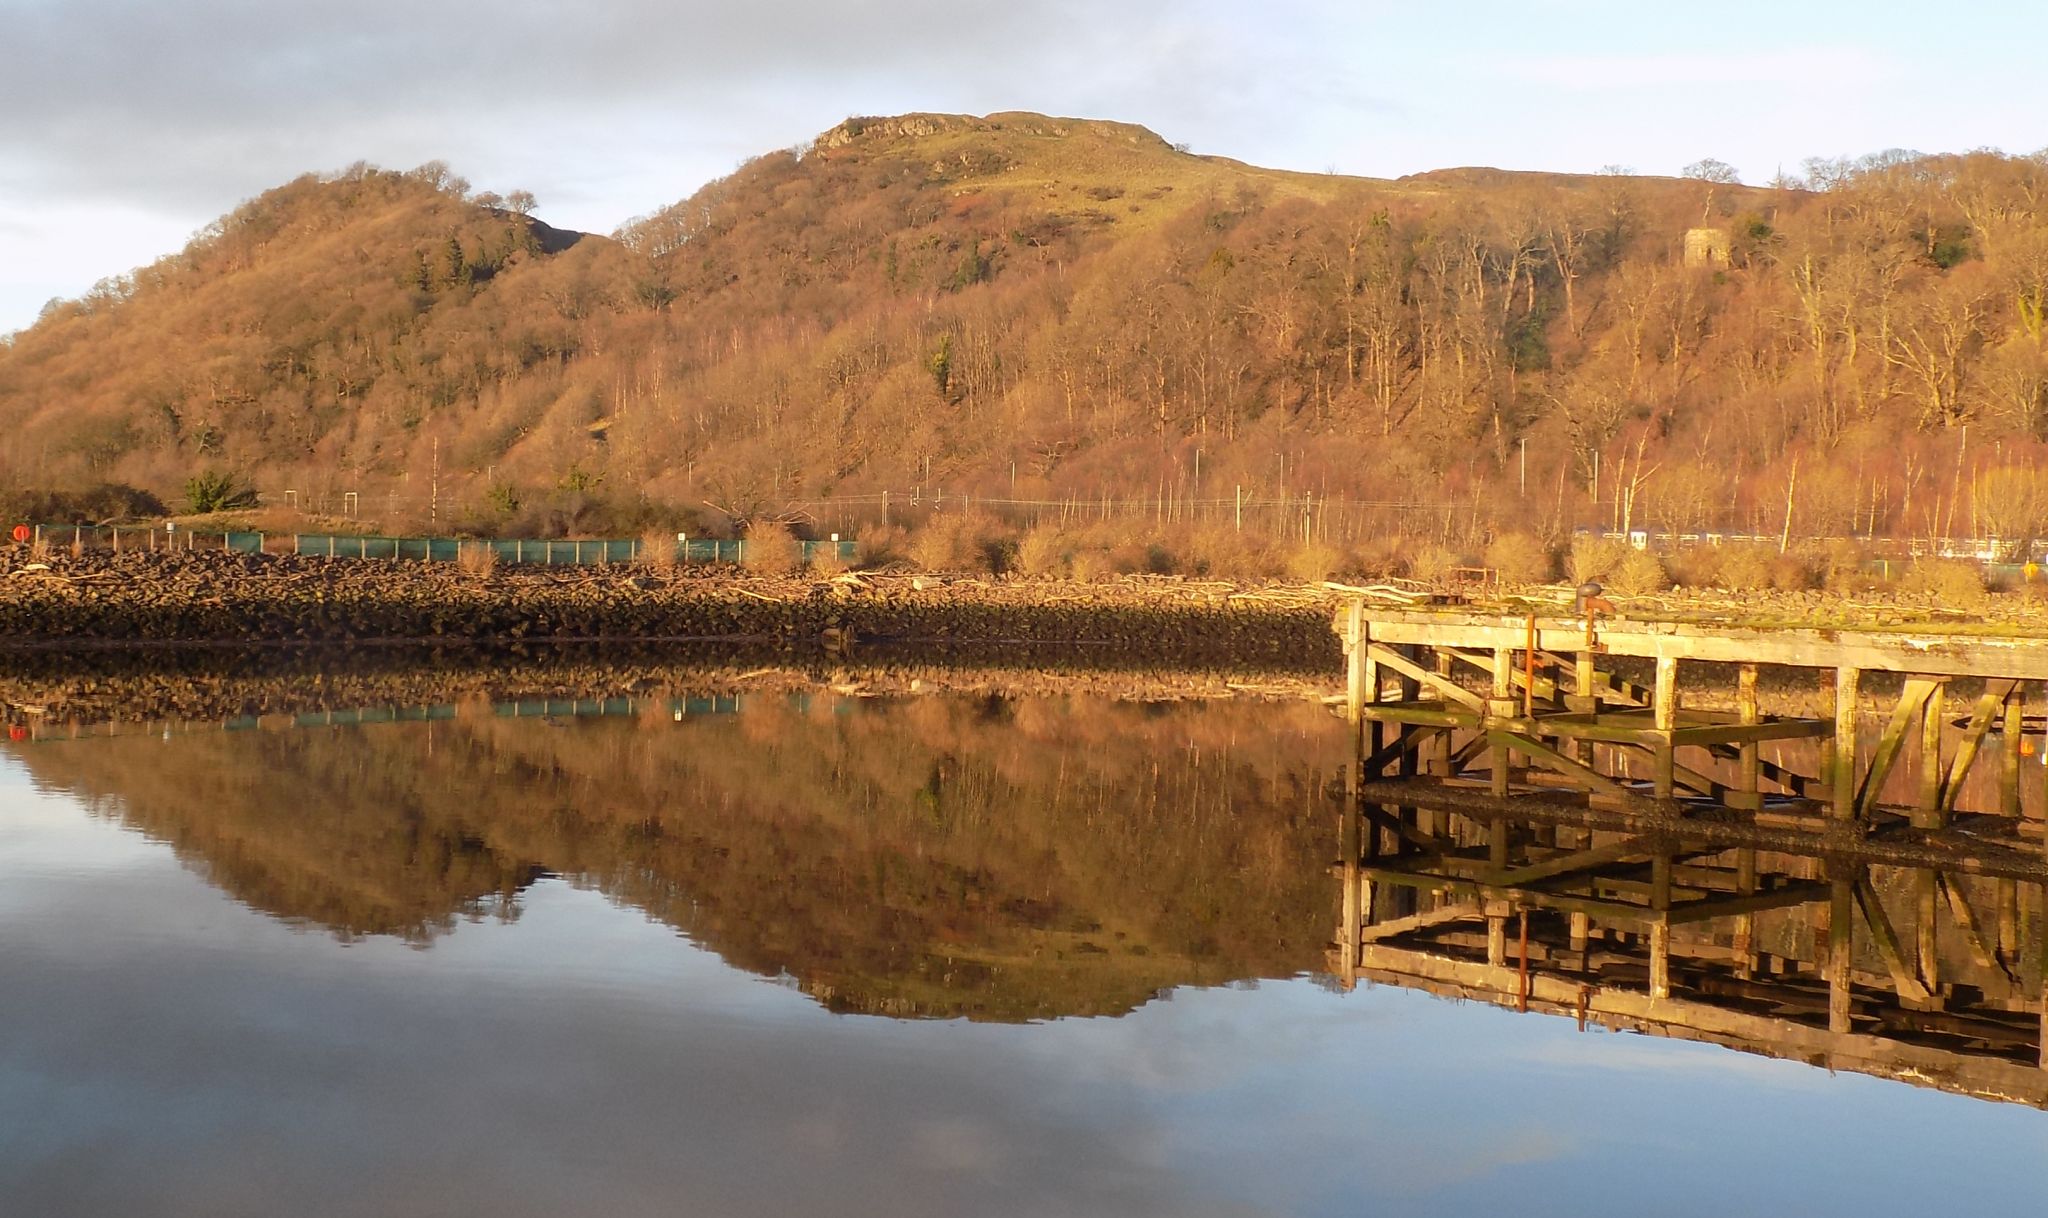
{"x": 169, "y": 1053}
{"x": 1634, "y": 1053}
{"x": 1422, "y": 1167}
{"x": 1199, "y": 1039}
{"x": 953, "y": 1146}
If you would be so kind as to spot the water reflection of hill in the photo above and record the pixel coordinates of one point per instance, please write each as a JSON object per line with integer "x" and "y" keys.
{"x": 1000, "y": 858}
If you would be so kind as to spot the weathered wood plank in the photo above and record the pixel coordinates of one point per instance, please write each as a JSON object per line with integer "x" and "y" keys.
{"x": 1920, "y": 652}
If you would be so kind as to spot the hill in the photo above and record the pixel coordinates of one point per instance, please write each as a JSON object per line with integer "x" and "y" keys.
{"x": 1059, "y": 313}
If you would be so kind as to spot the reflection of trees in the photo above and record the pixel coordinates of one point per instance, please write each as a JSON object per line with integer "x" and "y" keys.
{"x": 997, "y": 858}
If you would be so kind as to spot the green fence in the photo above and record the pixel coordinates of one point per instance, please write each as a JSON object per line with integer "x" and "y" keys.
{"x": 523, "y": 550}
{"x": 140, "y": 537}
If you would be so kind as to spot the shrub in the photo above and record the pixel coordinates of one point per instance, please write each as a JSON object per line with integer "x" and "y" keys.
{"x": 771, "y": 549}
{"x": 1637, "y": 573}
{"x": 1521, "y": 558}
{"x": 1953, "y": 582}
{"x": 1224, "y": 553}
{"x": 1592, "y": 558}
{"x": 1090, "y": 564}
{"x": 1432, "y": 562}
{"x": 1042, "y": 552}
{"x": 881, "y": 544}
{"x": 1743, "y": 568}
{"x": 1314, "y": 562}
{"x": 961, "y": 541}
{"x": 1842, "y": 568}
{"x": 213, "y": 491}
{"x": 1793, "y": 573}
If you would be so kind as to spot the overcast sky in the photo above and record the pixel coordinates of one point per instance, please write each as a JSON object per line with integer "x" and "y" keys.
{"x": 125, "y": 125}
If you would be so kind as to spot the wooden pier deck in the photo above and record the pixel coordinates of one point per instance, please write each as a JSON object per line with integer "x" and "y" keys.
{"x": 1603, "y": 788}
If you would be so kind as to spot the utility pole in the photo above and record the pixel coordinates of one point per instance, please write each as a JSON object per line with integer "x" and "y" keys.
{"x": 434, "y": 487}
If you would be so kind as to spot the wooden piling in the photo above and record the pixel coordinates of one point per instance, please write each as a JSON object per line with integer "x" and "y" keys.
{"x": 2010, "y": 735}
{"x": 1664, "y": 716}
{"x": 1847, "y": 681}
{"x": 1836, "y": 951}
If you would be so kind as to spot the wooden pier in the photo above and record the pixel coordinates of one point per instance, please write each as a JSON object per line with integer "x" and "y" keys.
{"x": 1579, "y": 815}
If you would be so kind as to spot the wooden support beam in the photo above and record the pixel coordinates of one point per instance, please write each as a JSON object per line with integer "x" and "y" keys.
{"x": 1665, "y": 716}
{"x": 1565, "y": 864}
{"x": 1847, "y": 680}
{"x": 1926, "y": 943}
{"x": 1748, "y": 712}
{"x": 1449, "y": 689}
{"x": 1685, "y": 776}
{"x": 1355, "y": 660}
{"x": 1406, "y": 742}
{"x": 1966, "y": 920}
{"x": 1545, "y": 687}
{"x": 1886, "y": 940}
{"x": 2010, "y": 734}
{"x": 1912, "y": 706}
{"x": 1986, "y": 713}
{"x": 1729, "y": 907}
{"x": 1428, "y": 844}
{"x": 1804, "y": 786}
{"x": 1551, "y": 759}
{"x": 1841, "y": 913}
{"x": 2041, "y": 971}
{"x": 1745, "y": 924}
{"x": 2008, "y": 944}
{"x": 1349, "y": 829}
{"x": 1660, "y": 923}
{"x": 1421, "y": 921}
{"x": 1500, "y": 706}
{"x": 1927, "y": 803}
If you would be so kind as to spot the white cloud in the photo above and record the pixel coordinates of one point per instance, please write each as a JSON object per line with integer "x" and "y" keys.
{"x": 1795, "y": 68}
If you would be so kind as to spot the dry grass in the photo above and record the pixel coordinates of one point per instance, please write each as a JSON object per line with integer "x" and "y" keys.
{"x": 658, "y": 549}
{"x": 1952, "y": 582}
{"x": 1314, "y": 562}
{"x": 477, "y": 558}
{"x": 825, "y": 559}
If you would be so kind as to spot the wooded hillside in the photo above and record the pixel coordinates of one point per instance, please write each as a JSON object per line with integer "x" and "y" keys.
{"x": 1067, "y": 312}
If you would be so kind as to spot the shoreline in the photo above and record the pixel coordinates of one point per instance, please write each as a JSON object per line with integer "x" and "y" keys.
{"x": 141, "y": 603}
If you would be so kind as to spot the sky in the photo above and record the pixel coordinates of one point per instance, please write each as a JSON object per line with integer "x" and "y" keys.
{"x": 130, "y": 124}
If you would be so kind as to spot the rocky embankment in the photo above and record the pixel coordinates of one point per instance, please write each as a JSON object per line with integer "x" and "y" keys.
{"x": 103, "y": 600}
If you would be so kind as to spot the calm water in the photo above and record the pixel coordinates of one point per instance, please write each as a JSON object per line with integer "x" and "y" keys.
{"x": 807, "y": 953}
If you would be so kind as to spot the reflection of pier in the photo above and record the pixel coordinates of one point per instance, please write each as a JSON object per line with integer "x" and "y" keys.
{"x": 1530, "y": 826}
